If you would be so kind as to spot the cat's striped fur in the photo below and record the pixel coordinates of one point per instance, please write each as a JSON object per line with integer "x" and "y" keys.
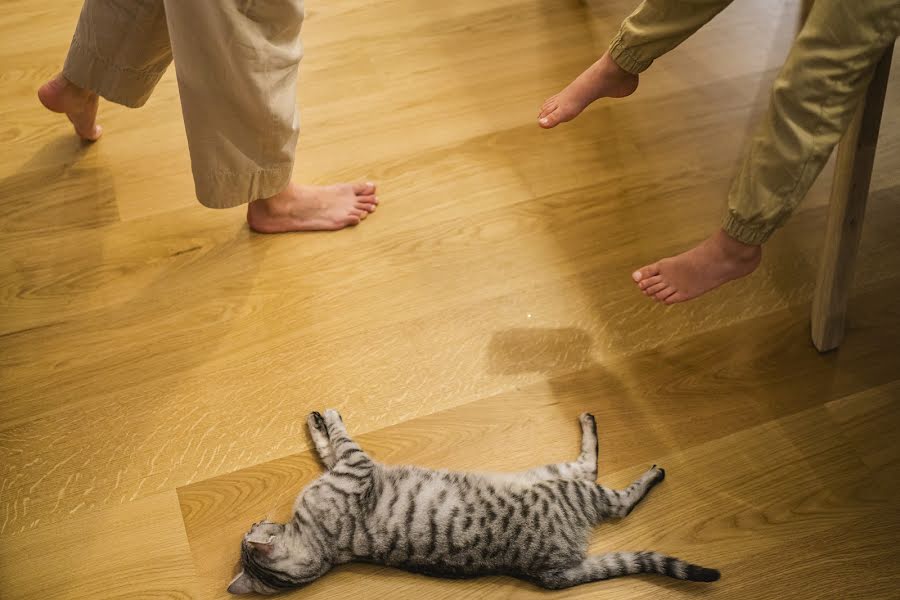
{"x": 532, "y": 525}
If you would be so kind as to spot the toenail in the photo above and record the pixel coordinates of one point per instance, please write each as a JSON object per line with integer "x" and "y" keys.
{"x": 544, "y": 121}
{"x": 636, "y": 276}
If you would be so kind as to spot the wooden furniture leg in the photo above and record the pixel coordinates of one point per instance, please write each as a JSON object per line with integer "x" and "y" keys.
{"x": 849, "y": 193}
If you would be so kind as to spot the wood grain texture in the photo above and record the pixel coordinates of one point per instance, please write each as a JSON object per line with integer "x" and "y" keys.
{"x": 157, "y": 359}
{"x": 134, "y": 550}
{"x": 748, "y": 501}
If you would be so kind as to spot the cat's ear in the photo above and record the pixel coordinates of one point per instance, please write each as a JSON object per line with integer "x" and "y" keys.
{"x": 262, "y": 542}
{"x": 241, "y": 584}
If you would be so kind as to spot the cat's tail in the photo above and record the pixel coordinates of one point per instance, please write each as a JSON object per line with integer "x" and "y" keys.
{"x": 654, "y": 562}
{"x": 619, "y": 564}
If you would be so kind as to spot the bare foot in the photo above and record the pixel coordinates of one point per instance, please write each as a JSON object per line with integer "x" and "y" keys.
{"x": 603, "y": 79}
{"x": 62, "y": 96}
{"x": 717, "y": 260}
{"x": 313, "y": 208}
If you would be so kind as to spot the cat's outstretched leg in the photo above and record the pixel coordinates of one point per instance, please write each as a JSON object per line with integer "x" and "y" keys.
{"x": 343, "y": 448}
{"x": 583, "y": 468}
{"x": 618, "y": 564}
{"x": 318, "y": 431}
{"x": 619, "y": 503}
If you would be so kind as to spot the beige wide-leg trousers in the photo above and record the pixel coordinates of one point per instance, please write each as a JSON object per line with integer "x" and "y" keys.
{"x": 813, "y": 100}
{"x": 236, "y": 63}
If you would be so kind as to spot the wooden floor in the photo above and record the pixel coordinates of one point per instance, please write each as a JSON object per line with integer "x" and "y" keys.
{"x": 157, "y": 359}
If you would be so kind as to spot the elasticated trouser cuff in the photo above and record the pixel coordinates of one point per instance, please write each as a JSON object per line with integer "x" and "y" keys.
{"x": 746, "y": 233}
{"x": 627, "y": 59}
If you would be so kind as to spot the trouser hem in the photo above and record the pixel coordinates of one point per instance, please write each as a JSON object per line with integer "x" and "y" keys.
{"x": 626, "y": 57}
{"x": 128, "y": 87}
{"x": 753, "y": 234}
{"x": 223, "y": 189}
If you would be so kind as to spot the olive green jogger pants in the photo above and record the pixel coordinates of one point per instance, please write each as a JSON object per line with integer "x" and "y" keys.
{"x": 813, "y": 99}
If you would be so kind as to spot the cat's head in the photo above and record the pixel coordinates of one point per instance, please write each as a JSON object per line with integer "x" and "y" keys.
{"x": 275, "y": 557}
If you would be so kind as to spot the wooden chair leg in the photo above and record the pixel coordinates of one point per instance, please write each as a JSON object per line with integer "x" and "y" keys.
{"x": 849, "y": 193}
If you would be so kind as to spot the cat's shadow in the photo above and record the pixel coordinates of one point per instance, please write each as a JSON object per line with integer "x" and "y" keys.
{"x": 512, "y": 585}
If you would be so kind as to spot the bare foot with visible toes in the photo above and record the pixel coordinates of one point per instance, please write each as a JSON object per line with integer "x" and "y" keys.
{"x": 717, "y": 260}
{"x": 62, "y": 96}
{"x": 603, "y": 79}
{"x": 313, "y": 208}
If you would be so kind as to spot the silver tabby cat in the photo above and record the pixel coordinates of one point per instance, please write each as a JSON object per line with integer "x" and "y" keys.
{"x": 533, "y": 525}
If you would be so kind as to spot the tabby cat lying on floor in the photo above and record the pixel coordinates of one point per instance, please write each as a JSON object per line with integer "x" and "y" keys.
{"x": 532, "y": 525}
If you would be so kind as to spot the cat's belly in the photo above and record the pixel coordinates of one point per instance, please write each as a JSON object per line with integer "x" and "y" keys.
{"x": 463, "y": 525}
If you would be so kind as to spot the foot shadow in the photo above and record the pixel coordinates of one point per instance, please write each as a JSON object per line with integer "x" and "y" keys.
{"x": 58, "y": 189}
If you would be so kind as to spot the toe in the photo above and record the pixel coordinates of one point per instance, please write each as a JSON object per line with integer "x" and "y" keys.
{"x": 676, "y": 298}
{"x": 548, "y": 108}
{"x": 367, "y": 201}
{"x": 85, "y": 125}
{"x": 649, "y": 282}
{"x": 645, "y": 272}
{"x": 364, "y": 189}
{"x": 655, "y": 288}
{"x": 366, "y": 207}
{"x": 351, "y": 220}
{"x": 551, "y": 120}
{"x": 87, "y": 132}
{"x": 665, "y": 294}
{"x": 94, "y": 134}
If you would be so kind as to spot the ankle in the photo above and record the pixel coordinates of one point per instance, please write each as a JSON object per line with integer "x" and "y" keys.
{"x": 736, "y": 250}
{"x": 615, "y": 81}
{"x": 278, "y": 204}
{"x": 265, "y": 207}
{"x": 70, "y": 88}
{"x": 611, "y": 68}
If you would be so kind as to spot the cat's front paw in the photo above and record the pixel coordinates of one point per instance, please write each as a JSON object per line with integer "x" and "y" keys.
{"x": 317, "y": 422}
{"x": 332, "y": 415}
